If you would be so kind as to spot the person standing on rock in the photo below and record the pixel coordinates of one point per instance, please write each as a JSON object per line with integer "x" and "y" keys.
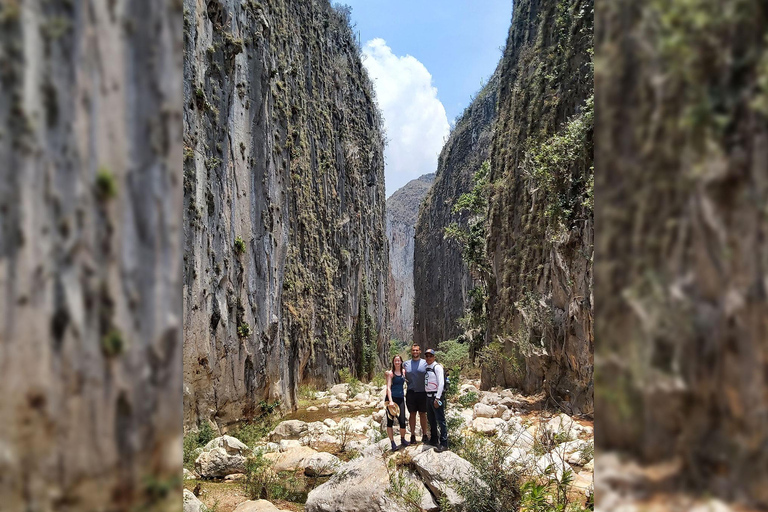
{"x": 395, "y": 395}
{"x": 416, "y": 397}
{"x": 434, "y": 385}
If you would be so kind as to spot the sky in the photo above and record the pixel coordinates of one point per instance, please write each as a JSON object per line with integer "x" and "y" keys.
{"x": 427, "y": 58}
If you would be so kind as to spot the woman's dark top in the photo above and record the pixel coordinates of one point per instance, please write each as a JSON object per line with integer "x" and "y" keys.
{"x": 397, "y": 385}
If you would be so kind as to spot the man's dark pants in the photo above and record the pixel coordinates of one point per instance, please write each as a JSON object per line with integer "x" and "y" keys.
{"x": 436, "y": 418}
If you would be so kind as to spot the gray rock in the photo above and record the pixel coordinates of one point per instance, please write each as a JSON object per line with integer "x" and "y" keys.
{"x": 481, "y": 410}
{"x": 191, "y": 503}
{"x": 442, "y": 471}
{"x": 291, "y": 460}
{"x": 217, "y": 463}
{"x": 321, "y": 464}
{"x": 257, "y": 506}
{"x": 363, "y": 484}
{"x": 291, "y": 429}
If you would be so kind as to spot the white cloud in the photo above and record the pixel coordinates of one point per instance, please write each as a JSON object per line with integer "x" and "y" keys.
{"x": 414, "y": 118}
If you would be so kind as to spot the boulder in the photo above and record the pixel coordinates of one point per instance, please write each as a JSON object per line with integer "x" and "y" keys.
{"x": 290, "y": 444}
{"x": 290, "y": 460}
{"x": 291, "y": 429}
{"x": 377, "y": 449}
{"x": 328, "y": 439}
{"x": 552, "y": 464}
{"x": 188, "y": 475}
{"x": 191, "y": 503}
{"x": 235, "y": 477}
{"x": 312, "y": 408}
{"x": 257, "y": 506}
{"x": 563, "y": 424}
{"x": 321, "y": 464}
{"x": 333, "y": 404}
{"x": 222, "y": 456}
{"x": 441, "y": 471}
{"x": 483, "y": 411}
{"x": 490, "y": 398}
{"x": 488, "y": 426}
{"x": 330, "y": 423}
{"x": 231, "y": 445}
{"x": 338, "y": 388}
{"x": 363, "y": 484}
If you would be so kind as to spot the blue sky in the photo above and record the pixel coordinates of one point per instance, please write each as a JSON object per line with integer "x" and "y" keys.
{"x": 427, "y": 59}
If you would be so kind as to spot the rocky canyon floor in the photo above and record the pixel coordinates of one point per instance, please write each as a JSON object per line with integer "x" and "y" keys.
{"x": 333, "y": 454}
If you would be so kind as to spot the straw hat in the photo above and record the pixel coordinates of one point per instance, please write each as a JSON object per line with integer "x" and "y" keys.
{"x": 393, "y": 410}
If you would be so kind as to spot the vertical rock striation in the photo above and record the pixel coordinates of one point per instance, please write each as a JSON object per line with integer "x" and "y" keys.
{"x": 284, "y": 204}
{"x": 402, "y": 212}
{"x": 442, "y": 281}
{"x": 682, "y": 248}
{"x": 90, "y": 253}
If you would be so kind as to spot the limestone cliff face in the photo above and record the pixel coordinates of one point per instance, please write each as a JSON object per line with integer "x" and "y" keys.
{"x": 681, "y": 245}
{"x": 284, "y": 226}
{"x": 402, "y": 211}
{"x": 90, "y": 253}
{"x": 540, "y": 226}
{"x": 442, "y": 281}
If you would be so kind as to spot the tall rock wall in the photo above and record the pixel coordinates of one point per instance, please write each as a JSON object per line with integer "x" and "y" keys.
{"x": 442, "y": 281}
{"x": 284, "y": 204}
{"x": 540, "y": 223}
{"x": 681, "y": 243}
{"x": 90, "y": 254}
{"x": 402, "y": 212}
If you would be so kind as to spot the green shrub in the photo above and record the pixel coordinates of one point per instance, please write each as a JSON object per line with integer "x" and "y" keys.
{"x": 355, "y": 387}
{"x": 345, "y": 376}
{"x": 259, "y": 477}
{"x": 243, "y": 330}
{"x": 469, "y": 399}
{"x": 106, "y": 184}
{"x": 379, "y": 380}
{"x": 239, "y": 245}
{"x": 452, "y": 354}
{"x": 307, "y": 392}
{"x": 197, "y": 439}
{"x": 113, "y": 344}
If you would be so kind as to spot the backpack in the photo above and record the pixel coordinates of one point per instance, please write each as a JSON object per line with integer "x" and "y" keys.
{"x": 446, "y": 380}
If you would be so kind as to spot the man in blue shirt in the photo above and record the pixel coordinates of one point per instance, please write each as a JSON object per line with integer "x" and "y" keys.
{"x": 416, "y": 397}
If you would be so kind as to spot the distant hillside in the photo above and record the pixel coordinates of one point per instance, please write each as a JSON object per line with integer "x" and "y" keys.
{"x": 402, "y": 211}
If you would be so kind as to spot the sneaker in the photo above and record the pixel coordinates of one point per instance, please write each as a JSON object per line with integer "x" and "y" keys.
{"x": 413, "y": 439}
{"x": 425, "y": 440}
{"x": 394, "y": 447}
{"x": 404, "y": 443}
{"x": 441, "y": 448}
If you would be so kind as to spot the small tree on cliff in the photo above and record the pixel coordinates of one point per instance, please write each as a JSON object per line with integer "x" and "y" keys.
{"x": 471, "y": 236}
{"x": 364, "y": 338}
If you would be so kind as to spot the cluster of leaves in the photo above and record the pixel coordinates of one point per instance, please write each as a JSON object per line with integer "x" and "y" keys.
{"x": 106, "y": 184}
{"x": 453, "y": 355}
{"x": 239, "y": 245}
{"x": 469, "y": 399}
{"x": 562, "y": 169}
{"x": 255, "y": 430}
{"x": 401, "y": 487}
{"x": 364, "y": 337}
{"x": 112, "y": 343}
{"x": 472, "y": 236}
{"x": 196, "y": 439}
{"x": 243, "y": 330}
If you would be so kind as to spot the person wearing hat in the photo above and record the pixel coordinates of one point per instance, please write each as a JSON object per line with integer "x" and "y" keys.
{"x": 395, "y": 401}
{"x": 434, "y": 385}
